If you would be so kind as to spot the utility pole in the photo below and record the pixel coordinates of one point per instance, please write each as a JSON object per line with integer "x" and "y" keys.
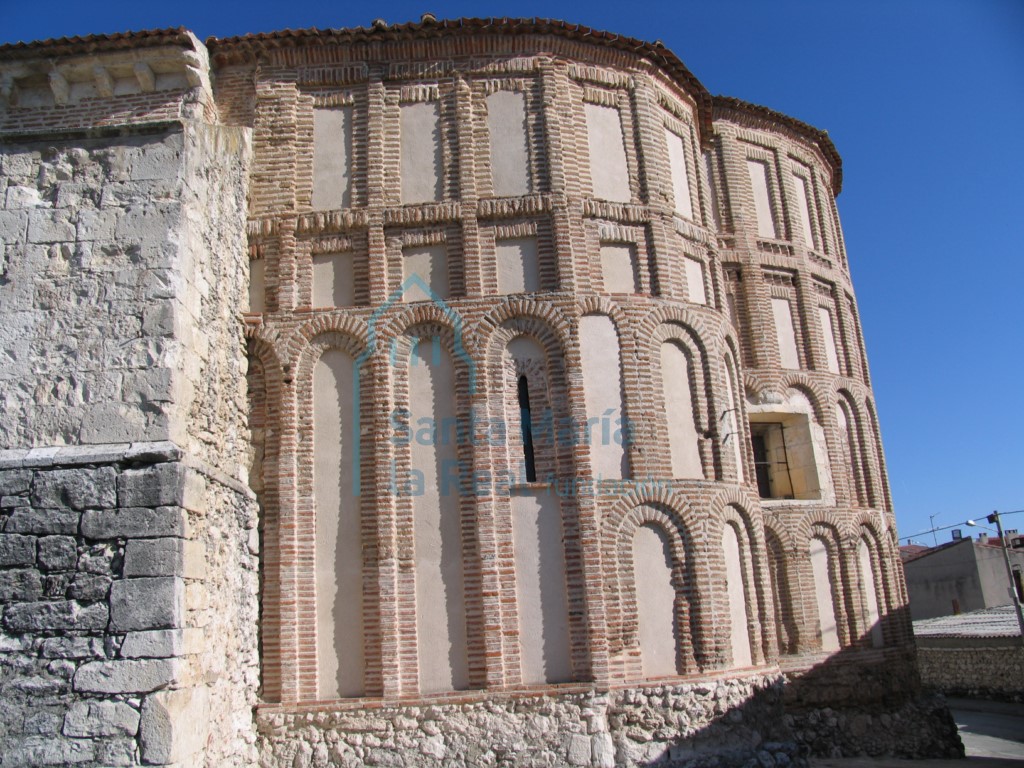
{"x": 994, "y": 518}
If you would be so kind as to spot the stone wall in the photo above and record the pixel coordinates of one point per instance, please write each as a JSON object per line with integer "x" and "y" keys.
{"x": 720, "y": 722}
{"x": 991, "y": 667}
{"x": 127, "y": 609}
{"x": 87, "y": 289}
{"x": 128, "y": 538}
{"x": 866, "y": 702}
{"x": 121, "y": 272}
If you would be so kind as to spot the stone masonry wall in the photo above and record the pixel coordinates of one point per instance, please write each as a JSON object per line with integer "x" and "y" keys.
{"x": 992, "y": 667}
{"x": 87, "y": 289}
{"x": 127, "y": 609}
{"x": 866, "y": 702}
{"x": 122, "y": 269}
{"x": 128, "y": 541}
{"x": 711, "y": 722}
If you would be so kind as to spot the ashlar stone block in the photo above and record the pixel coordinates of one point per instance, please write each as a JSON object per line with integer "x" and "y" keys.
{"x": 148, "y": 603}
{"x": 156, "y": 644}
{"x": 56, "y": 615}
{"x": 75, "y": 488}
{"x": 58, "y": 553}
{"x": 101, "y": 718}
{"x": 160, "y": 485}
{"x": 154, "y": 557}
{"x": 174, "y": 725}
{"x": 17, "y": 550}
{"x": 43, "y": 521}
{"x": 126, "y": 676}
{"x": 134, "y": 522}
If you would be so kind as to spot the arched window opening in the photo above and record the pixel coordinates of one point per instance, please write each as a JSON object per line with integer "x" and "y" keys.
{"x": 526, "y": 425}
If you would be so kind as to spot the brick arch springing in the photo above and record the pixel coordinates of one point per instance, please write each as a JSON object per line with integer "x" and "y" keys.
{"x": 576, "y": 518}
{"x": 883, "y": 572}
{"x": 701, "y": 392}
{"x": 858, "y": 463}
{"x": 781, "y": 558}
{"x": 732, "y": 508}
{"x": 353, "y": 329}
{"x": 520, "y": 308}
{"x": 669, "y": 511}
{"x": 393, "y": 352}
{"x": 809, "y": 388}
{"x": 309, "y": 345}
{"x": 827, "y": 526}
{"x": 264, "y": 381}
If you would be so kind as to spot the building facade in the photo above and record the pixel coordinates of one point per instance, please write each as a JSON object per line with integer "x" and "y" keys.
{"x": 963, "y": 575}
{"x": 465, "y": 392}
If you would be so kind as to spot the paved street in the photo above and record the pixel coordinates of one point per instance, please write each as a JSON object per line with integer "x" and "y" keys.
{"x": 990, "y": 729}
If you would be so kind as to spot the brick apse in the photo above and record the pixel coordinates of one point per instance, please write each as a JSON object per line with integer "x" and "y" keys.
{"x": 452, "y": 393}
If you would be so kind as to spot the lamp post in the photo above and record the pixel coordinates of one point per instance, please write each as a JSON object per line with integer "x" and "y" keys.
{"x": 994, "y": 518}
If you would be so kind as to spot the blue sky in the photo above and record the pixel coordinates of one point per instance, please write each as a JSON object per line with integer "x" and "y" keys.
{"x": 924, "y": 100}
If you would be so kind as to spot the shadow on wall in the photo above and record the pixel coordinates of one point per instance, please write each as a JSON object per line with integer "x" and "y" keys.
{"x": 860, "y": 701}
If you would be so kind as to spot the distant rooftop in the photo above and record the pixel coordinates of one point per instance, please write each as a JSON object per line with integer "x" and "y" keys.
{"x": 1000, "y": 621}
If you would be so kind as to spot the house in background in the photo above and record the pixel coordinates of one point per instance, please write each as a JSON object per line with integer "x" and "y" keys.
{"x": 962, "y": 575}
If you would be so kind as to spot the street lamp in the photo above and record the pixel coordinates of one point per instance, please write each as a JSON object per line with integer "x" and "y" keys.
{"x": 994, "y": 518}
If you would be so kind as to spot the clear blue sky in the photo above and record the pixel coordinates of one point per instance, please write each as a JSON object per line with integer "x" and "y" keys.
{"x": 925, "y": 102}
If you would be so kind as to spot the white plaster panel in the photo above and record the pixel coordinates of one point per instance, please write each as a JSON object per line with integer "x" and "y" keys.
{"x": 332, "y": 153}
{"x": 430, "y": 264}
{"x": 828, "y": 331}
{"x": 421, "y": 164}
{"x": 339, "y": 559}
{"x": 785, "y": 333}
{"x": 334, "y": 280}
{"x": 609, "y": 171}
{"x": 540, "y": 587}
{"x": 619, "y": 268}
{"x": 510, "y": 156}
{"x": 739, "y": 634}
{"x": 682, "y": 432}
{"x": 762, "y": 198}
{"x": 440, "y": 603}
{"x": 602, "y": 390}
{"x": 518, "y": 269}
{"x": 257, "y": 285}
{"x": 655, "y": 602}
{"x": 803, "y": 208}
{"x": 823, "y": 595}
{"x": 680, "y": 174}
{"x": 872, "y": 615}
{"x": 695, "y": 281}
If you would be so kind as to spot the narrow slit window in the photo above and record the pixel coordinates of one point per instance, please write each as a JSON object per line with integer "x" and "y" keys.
{"x": 526, "y": 422}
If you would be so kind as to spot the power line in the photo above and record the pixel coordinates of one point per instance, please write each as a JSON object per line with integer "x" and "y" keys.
{"x": 957, "y": 525}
